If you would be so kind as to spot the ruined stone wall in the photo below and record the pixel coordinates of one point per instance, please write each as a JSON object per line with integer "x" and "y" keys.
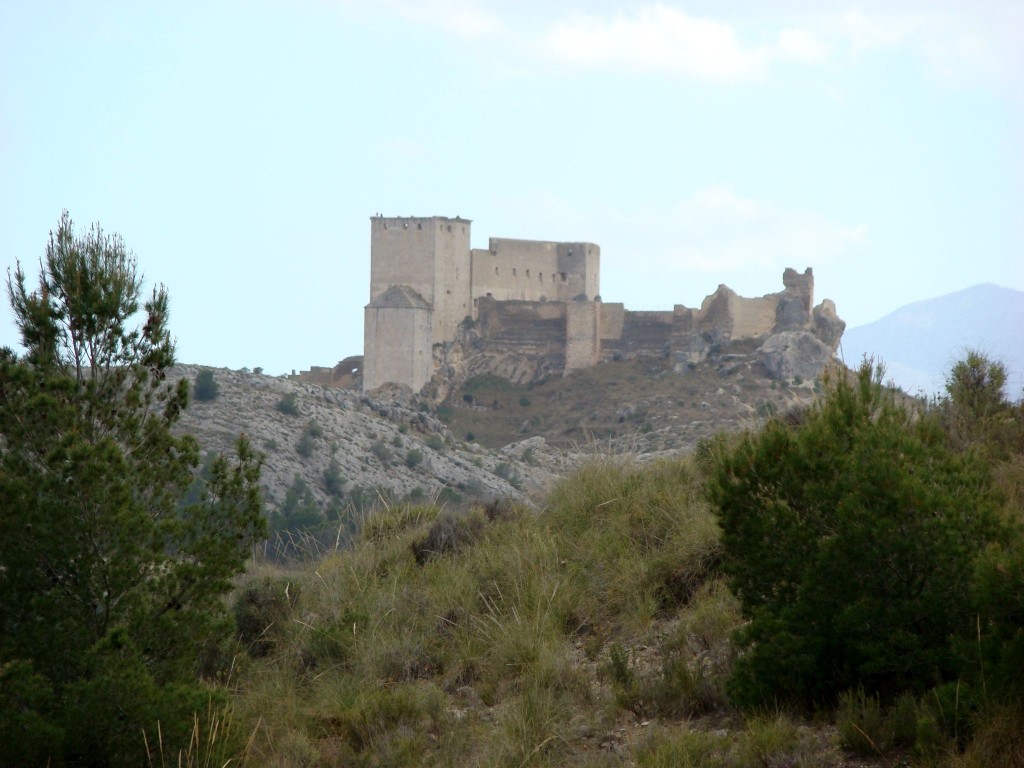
{"x": 582, "y": 332}
{"x": 801, "y": 285}
{"x": 397, "y": 347}
{"x": 532, "y": 327}
{"x": 613, "y": 319}
{"x": 535, "y": 270}
{"x": 643, "y": 334}
{"x": 752, "y": 317}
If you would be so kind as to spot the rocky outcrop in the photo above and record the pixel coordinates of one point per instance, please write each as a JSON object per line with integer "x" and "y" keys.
{"x": 794, "y": 355}
{"x": 827, "y": 325}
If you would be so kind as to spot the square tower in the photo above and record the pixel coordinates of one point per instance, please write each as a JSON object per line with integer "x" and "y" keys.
{"x": 430, "y": 255}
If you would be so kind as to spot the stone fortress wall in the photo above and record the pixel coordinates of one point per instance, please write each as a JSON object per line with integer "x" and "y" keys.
{"x": 533, "y": 270}
{"x": 534, "y": 307}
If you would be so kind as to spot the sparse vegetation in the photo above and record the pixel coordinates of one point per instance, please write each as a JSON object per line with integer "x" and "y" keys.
{"x": 288, "y": 404}
{"x": 413, "y": 458}
{"x": 380, "y": 449}
{"x": 308, "y": 438}
{"x": 515, "y": 637}
{"x": 205, "y": 389}
{"x": 334, "y": 480}
{"x": 505, "y": 471}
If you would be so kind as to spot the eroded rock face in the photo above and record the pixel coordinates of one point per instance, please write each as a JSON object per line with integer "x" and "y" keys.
{"x": 827, "y": 324}
{"x": 794, "y": 354}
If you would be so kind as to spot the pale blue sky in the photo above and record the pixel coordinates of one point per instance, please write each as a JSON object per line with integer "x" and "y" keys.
{"x": 241, "y": 147}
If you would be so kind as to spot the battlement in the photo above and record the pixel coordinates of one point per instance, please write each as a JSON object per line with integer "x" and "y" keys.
{"x": 441, "y": 223}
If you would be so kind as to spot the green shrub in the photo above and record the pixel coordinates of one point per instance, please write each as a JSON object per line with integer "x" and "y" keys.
{"x": 381, "y": 451}
{"x": 505, "y": 471}
{"x": 435, "y": 443}
{"x": 387, "y": 725}
{"x": 448, "y": 495}
{"x": 334, "y": 480}
{"x": 288, "y": 404}
{"x": 847, "y": 537}
{"x": 413, "y": 457}
{"x": 305, "y": 445}
{"x": 998, "y": 737}
{"x": 28, "y": 733}
{"x": 683, "y": 749}
{"x": 860, "y": 723}
{"x": 308, "y": 438}
{"x": 449, "y": 532}
{"x": 263, "y": 610}
{"x": 205, "y": 388}
{"x": 866, "y": 728}
{"x": 299, "y": 509}
{"x": 697, "y": 656}
{"x": 774, "y": 739}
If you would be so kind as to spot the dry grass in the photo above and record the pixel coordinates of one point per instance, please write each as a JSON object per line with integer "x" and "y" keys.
{"x": 597, "y": 632}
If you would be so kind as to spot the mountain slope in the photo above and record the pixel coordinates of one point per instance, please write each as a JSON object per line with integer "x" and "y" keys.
{"x": 919, "y": 342}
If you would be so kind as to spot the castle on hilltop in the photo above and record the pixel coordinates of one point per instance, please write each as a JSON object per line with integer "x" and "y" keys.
{"x": 528, "y": 308}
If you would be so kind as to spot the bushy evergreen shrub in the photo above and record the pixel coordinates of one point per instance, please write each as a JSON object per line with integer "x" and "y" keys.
{"x": 205, "y": 388}
{"x": 288, "y": 404}
{"x": 850, "y": 538}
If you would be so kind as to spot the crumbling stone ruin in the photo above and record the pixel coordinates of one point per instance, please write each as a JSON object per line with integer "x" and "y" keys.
{"x": 441, "y": 311}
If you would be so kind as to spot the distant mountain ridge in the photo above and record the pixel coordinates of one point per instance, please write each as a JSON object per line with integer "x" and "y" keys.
{"x": 920, "y": 342}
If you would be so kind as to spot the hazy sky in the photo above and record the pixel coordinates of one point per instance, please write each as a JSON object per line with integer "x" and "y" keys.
{"x": 241, "y": 147}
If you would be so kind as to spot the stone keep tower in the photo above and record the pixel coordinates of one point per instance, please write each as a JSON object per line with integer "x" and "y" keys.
{"x": 420, "y": 290}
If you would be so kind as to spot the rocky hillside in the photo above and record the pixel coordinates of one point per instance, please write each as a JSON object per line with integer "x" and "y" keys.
{"x": 646, "y": 406}
{"x": 386, "y": 448}
{"x": 490, "y": 439}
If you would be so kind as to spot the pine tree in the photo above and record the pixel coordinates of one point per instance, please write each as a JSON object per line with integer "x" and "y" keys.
{"x": 109, "y": 586}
